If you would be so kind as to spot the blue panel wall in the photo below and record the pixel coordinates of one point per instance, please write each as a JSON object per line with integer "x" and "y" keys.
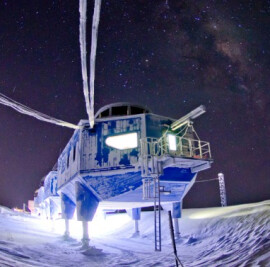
{"x": 96, "y": 154}
{"x": 177, "y": 174}
{"x": 110, "y": 186}
{"x": 68, "y": 161}
{"x": 66, "y": 156}
{"x": 50, "y": 184}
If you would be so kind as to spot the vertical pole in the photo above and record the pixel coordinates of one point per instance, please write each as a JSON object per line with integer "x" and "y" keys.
{"x": 222, "y": 189}
{"x": 176, "y": 227}
{"x": 136, "y": 216}
{"x": 137, "y": 227}
{"x": 172, "y": 237}
{"x": 85, "y": 239}
{"x": 200, "y": 149}
{"x": 66, "y": 234}
{"x": 190, "y": 148}
{"x": 155, "y": 214}
{"x": 181, "y": 146}
{"x": 145, "y": 188}
{"x": 159, "y": 214}
{"x": 176, "y": 210}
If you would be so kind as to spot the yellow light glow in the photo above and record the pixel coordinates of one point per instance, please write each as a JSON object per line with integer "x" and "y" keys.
{"x": 123, "y": 141}
{"x": 172, "y": 142}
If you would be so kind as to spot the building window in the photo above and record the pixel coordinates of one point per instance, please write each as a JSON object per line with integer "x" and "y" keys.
{"x": 74, "y": 152}
{"x": 123, "y": 141}
{"x": 68, "y": 160}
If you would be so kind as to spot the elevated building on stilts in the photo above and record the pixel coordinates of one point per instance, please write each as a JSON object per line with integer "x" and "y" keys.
{"x": 131, "y": 159}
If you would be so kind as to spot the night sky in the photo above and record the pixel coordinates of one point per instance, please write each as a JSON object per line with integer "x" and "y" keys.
{"x": 169, "y": 55}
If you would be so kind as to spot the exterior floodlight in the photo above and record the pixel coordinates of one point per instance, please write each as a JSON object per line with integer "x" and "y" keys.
{"x": 191, "y": 115}
{"x": 172, "y": 142}
{"x": 123, "y": 141}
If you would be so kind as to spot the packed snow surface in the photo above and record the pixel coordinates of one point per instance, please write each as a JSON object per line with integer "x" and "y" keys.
{"x": 230, "y": 236}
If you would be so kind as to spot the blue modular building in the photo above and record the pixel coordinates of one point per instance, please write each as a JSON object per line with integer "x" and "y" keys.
{"x": 130, "y": 158}
{"x": 39, "y": 205}
{"x": 46, "y": 199}
{"x": 51, "y": 197}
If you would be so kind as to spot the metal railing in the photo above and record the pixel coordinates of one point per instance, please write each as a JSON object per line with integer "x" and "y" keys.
{"x": 185, "y": 147}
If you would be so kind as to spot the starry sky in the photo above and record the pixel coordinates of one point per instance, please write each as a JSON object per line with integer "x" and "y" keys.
{"x": 170, "y": 55}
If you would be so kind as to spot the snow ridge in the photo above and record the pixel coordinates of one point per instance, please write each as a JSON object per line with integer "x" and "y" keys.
{"x": 228, "y": 236}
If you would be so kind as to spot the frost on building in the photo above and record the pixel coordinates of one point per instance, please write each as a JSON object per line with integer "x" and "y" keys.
{"x": 46, "y": 199}
{"x": 132, "y": 158}
{"x": 39, "y": 204}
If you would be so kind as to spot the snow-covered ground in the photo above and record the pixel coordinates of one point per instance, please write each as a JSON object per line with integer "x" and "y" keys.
{"x": 230, "y": 236}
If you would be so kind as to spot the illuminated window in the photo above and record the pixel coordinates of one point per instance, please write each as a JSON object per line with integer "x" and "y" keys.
{"x": 123, "y": 141}
{"x": 172, "y": 142}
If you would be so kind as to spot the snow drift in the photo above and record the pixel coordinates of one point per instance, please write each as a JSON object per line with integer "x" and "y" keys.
{"x": 230, "y": 236}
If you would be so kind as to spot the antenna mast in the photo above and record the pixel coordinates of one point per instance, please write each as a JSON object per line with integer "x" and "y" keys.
{"x": 222, "y": 190}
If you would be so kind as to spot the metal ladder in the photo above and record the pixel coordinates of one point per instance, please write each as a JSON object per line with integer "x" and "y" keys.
{"x": 157, "y": 214}
{"x": 156, "y": 168}
{"x": 151, "y": 190}
{"x": 151, "y": 186}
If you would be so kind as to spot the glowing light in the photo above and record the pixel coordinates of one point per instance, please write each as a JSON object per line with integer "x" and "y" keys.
{"x": 99, "y": 227}
{"x": 103, "y": 225}
{"x": 123, "y": 141}
{"x": 172, "y": 142}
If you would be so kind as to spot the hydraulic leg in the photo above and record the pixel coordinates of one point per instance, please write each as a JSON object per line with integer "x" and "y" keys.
{"x": 176, "y": 214}
{"x": 135, "y": 214}
{"x": 87, "y": 204}
{"x": 68, "y": 208}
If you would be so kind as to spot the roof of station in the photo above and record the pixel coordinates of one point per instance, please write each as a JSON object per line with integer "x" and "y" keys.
{"x": 121, "y": 109}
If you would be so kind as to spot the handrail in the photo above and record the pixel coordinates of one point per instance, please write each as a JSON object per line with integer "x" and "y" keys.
{"x": 185, "y": 147}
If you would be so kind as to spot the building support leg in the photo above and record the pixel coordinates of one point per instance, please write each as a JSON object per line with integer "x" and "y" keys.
{"x": 176, "y": 214}
{"x": 135, "y": 214}
{"x": 87, "y": 204}
{"x": 53, "y": 210}
{"x": 176, "y": 227}
{"x": 67, "y": 233}
{"x": 85, "y": 238}
{"x": 137, "y": 231}
{"x": 68, "y": 208}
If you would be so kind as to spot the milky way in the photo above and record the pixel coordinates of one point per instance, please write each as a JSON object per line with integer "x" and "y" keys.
{"x": 169, "y": 55}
